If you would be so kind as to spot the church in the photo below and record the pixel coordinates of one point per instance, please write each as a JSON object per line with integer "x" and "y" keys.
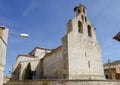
{"x": 79, "y": 56}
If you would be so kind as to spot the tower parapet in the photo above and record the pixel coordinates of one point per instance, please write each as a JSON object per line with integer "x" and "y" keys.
{"x": 80, "y": 10}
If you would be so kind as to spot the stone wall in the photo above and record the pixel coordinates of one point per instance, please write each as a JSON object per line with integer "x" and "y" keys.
{"x": 65, "y": 82}
{"x": 3, "y": 46}
{"x": 53, "y": 64}
{"x": 40, "y": 52}
{"x": 1, "y": 74}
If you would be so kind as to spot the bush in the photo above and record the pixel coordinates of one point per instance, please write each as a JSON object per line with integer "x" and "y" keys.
{"x": 28, "y": 72}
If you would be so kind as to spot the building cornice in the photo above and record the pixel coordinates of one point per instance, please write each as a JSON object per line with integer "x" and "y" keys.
{"x": 23, "y": 55}
{"x": 38, "y": 48}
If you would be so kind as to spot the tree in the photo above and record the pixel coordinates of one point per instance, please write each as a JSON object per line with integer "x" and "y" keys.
{"x": 28, "y": 72}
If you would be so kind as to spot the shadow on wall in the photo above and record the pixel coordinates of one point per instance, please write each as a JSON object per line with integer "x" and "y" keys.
{"x": 38, "y": 72}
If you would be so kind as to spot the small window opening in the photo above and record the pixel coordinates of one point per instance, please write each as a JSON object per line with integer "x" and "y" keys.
{"x": 89, "y": 31}
{"x": 86, "y": 19}
{"x": 80, "y": 27}
{"x": 89, "y": 64}
{"x": 79, "y": 11}
{"x": 94, "y": 28}
{"x": 85, "y": 54}
{"x": 83, "y": 10}
{"x": 107, "y": 77}
{"x": 82, "y": 17}
{"x": 33, "y": 73}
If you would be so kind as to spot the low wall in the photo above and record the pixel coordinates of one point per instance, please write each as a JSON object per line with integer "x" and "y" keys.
{"x": 64, "y": 82}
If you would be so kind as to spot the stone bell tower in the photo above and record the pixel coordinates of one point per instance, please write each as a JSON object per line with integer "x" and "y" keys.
{"x": 81, "y": 50}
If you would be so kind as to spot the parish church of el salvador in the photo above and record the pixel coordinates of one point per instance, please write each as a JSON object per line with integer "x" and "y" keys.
{"x": 79, "y": 56}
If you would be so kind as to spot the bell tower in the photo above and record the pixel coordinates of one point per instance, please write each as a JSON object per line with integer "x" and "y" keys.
{"x": 81, "y": 50}
{"x": 80, "y": 10}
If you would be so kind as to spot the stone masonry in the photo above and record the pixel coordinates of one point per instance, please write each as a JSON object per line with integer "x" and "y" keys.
{"x": 81, "y": 50}
{"x": 64, "y": 82}
{"x": 3, "y": 47}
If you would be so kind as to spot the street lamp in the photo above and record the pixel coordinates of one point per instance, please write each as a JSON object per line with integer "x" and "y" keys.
{"x": 23, "y": 35}
{"x": 117, "y": 37}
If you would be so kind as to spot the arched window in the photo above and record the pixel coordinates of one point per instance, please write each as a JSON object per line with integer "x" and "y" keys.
{"x": 86, "y": 19}
{"x": 82, "y": 17}
{"x": 83, "y": 10}
{"x": 80, "y": 27}
{"x": 79, "y": 11}
{"x": 89, "y": 31}
{"x": 85, "y": 54}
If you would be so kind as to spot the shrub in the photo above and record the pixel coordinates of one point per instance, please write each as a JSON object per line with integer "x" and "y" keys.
{"x": 28, "y": 72}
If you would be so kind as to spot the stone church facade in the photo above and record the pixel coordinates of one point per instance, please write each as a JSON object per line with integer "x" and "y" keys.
{"x": 79, "y": 56}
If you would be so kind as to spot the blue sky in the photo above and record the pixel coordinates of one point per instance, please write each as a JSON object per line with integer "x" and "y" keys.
{"x": 45, "y": 22}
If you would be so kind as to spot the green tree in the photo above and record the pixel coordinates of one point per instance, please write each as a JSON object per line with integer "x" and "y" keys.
{"x": 28, "y": 72}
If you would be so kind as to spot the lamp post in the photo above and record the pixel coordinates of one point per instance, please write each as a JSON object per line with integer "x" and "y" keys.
{"x": 4, "y": 31}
